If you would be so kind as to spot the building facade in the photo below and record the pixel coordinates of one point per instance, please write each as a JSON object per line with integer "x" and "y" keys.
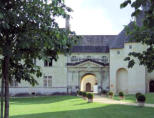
{"x": 95, "y": 60}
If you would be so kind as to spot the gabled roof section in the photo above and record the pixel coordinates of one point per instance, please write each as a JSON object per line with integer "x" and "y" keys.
{"x": 87, "y": 60}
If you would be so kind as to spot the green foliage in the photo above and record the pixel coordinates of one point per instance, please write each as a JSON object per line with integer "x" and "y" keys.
{"x": 29, "y": 32}
{"x": 84, "y": 94}
{"x": 141, "y": 98}
{"x": 138, "y": 94}
{"x": 121, "y": 94}
{"x": 144, "y": 33}
{"x": 80, "y": 93}
{"x": 90, "y": 95}
{"x": 110, "y": 93}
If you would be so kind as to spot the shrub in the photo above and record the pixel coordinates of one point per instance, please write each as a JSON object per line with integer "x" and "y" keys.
{"x": 138, "y": 94}
{"x": 90, "y": 96}
{"x": 110, "y": 93}
{"x": 84, "y": 94}
{"x": 121, "y": 94}
{"x": 141, "y": 98}
{"x": 80, "y": 93}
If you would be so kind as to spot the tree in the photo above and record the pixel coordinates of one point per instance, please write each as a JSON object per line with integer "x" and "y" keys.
{"x": 142, "y": 33}
{"x": 28, "y": 31}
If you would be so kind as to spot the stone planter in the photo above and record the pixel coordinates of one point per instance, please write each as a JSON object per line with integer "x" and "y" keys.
{"x": 90, "y": 100}
{"x": 111, "y": 96}
{"x": 121, "y": 97}
{"x": 141, "y": 104}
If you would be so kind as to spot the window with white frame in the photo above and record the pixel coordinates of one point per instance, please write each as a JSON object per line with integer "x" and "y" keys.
{"x": 13, "y": 83}
{"x": 47, "y": 81}
{"x": 48, "y": 63}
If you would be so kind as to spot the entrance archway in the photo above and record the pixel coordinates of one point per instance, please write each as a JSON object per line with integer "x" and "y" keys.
{"x": 87, "y": 82}
{"x": 151, "y": 86}
{"x": 122, "y": 80}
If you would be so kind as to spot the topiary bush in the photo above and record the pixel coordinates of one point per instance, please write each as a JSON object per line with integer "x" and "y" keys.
{"x": 90, "y": 95}
{"x": 138, "y": 94}
{"x": 84, "y": 94}
{"x": 110, "y": 93}
{"x": 121, "y": 94}
{"x": 141, "y": 98}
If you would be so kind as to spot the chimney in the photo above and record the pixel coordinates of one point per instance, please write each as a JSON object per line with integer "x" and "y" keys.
{"x": 140, "y": 17}
{"x": 67, "y": 23}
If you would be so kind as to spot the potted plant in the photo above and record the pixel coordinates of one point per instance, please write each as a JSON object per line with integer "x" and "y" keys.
{"x": 84, "y": 94}
{"x": 141, "y": 100}
{"x": 80, "y": 93}
{"x": 90, "y": 97}
{"x": 121, "y": 95}
{"x": 110, "y": 94}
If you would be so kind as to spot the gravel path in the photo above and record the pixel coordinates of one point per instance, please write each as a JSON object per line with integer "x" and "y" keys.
{"x": 105, "y": 100}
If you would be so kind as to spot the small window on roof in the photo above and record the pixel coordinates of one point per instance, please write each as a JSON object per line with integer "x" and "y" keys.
{"x": 118, "y": 52}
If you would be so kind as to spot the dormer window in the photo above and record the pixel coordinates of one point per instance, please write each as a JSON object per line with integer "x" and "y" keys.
{"x": 118, "y": 52}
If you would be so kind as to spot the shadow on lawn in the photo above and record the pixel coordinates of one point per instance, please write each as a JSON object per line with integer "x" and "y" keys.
{"x": 40, "y": 100}
{"x": 109, "y": 111}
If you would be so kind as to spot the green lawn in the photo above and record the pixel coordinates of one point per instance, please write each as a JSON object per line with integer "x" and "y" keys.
{"x": 131, "y": 98}
{"x": 72, "y": 107}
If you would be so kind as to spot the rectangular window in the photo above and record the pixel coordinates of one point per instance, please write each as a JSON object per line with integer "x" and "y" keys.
{"x": 13, "y": 83}
{"x": 47, "y": 82}
{"x": 48, "y": 63}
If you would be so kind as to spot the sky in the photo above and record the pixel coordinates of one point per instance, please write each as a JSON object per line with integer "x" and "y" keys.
{"x": 97, "y": 17}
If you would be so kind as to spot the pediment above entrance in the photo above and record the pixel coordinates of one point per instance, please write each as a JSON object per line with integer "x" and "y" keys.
{"x": 87, "y": 63}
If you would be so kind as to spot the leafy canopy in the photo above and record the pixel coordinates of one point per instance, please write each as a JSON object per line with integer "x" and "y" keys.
{"x": 28, "y": 31}
{"x": 142, "y": 33}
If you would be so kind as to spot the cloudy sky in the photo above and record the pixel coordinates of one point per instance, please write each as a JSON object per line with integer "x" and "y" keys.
{"x": 97, "y": 17}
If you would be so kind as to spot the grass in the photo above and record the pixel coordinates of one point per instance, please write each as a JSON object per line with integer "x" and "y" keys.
{"x": 72, "y": 107}
{"x": 131, "y": 98}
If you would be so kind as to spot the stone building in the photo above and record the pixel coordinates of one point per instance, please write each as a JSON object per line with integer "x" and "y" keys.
{"x": 95, "y": 60}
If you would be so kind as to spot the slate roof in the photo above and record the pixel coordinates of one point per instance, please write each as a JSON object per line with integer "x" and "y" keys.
{"x": 94, "y": 43}
{"x": 77, "y": 63}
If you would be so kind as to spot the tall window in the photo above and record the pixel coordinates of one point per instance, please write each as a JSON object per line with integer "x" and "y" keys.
{"x": 47, "y": 81}
{"x": 13, "y": 83}
{"x": 48, "y": 63}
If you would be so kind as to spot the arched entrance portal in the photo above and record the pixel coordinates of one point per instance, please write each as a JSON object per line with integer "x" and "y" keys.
{"x": 122, "y": 80}
{"x": 151, "y": 86}
{"x": 87, "y": 82}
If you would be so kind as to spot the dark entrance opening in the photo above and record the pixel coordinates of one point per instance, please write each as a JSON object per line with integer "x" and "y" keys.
{"x": 151, "y": 86}
{"x": 88, "y": 87}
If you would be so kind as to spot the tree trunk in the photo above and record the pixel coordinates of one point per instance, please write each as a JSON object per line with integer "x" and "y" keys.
{"x": 6, "y": 73}
{"x": 2, "y": 89}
